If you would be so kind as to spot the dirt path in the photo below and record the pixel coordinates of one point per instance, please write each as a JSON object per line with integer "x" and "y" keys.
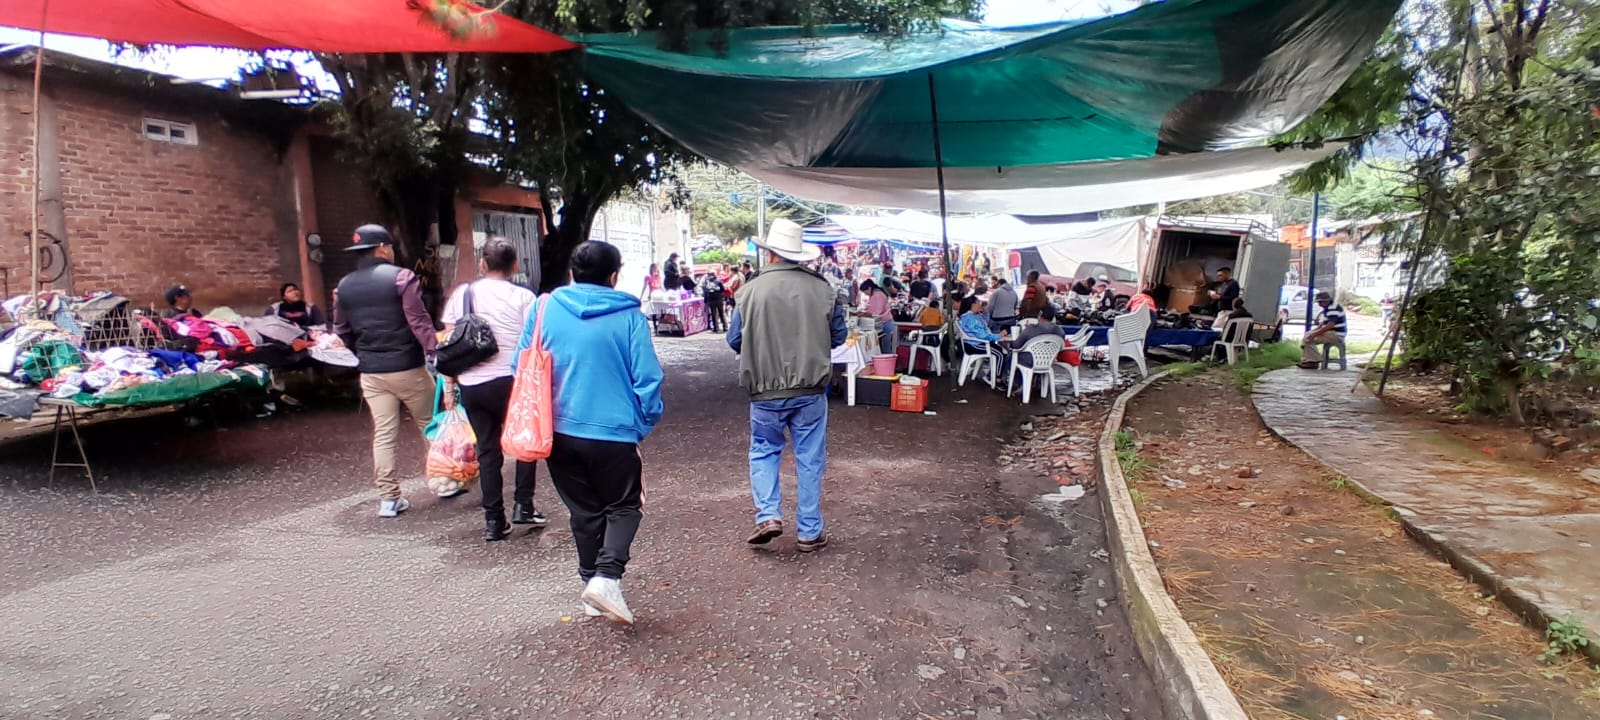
{"x": 241, "y": 572}
{"x": 1312, "y": 602}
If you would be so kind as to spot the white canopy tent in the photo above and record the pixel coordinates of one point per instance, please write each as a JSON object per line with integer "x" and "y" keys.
{"x": 1062, "y": 245}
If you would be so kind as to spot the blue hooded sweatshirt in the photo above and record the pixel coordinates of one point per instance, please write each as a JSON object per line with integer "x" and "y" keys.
{"x": 607, "y": 380}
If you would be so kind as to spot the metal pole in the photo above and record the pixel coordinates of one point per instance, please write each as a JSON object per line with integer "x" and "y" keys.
{"x": 38, "y": 77}
{"x": 1311, "y": 272}
{"x": 761, "y": 221}
{"x": 954, "y": 354}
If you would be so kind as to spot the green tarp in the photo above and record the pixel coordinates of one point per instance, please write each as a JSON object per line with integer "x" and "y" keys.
{"x": 175, "y": 389}
{"x": 1179, "y": 76}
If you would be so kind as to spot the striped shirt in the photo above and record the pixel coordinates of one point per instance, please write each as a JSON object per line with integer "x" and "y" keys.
{"x": 1334, "y": 314}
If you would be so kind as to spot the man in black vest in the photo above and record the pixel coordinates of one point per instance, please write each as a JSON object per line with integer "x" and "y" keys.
{"x": 378, "y": 312}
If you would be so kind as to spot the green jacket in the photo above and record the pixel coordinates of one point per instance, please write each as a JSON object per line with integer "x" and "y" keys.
{"x": 785, "y": 325}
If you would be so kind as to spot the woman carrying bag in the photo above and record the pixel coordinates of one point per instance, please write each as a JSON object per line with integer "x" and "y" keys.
{"x": 485, "y": 387}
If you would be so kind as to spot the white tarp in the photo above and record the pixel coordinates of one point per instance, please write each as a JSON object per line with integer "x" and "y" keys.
{"x": 1048, "y": 189}
{"x": 1062, "y": 245}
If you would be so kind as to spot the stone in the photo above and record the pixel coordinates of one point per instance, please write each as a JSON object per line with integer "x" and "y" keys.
{"x": 1247, "y": 504}
{"x": 1482, "y": 611}
{"x": 1591, "y": 474}
{"x": 1247, "y": 472}
{"x": 1019, "y": 602}
{"x": 1349, "y": 676}
{"x": 1233, "y": 485}
{"x": 1196, "y": 470}
{"x": 1174, "y": 483}
{"x": 1287, "y": 510}
{"x": 1310, "y": 541}
{"x": 930, "y": 672}
{"x": 1361, "y": 639}
{"x": 960, "y": 653}
{"x": 1101, "y": 603}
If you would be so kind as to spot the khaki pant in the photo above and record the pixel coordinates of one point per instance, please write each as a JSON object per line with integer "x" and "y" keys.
{"x": 385, "y": 393}
{"x": 1311, "y": 348}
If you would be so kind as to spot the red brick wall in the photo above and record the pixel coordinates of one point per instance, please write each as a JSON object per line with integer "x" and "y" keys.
{"x": 143, "y": 215}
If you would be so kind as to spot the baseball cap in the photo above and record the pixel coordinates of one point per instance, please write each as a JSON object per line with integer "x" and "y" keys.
{"x": 175, "y": 292}
{"x": 368, "y": 237}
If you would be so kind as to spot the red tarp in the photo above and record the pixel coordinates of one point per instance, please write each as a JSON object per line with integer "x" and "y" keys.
{"x": 343, "y": 26}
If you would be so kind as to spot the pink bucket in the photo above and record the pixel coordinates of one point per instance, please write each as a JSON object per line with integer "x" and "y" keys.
{"x": 883, "y": 365}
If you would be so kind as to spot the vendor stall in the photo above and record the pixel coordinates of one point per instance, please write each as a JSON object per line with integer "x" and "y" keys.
{"x": 678, "y": 315}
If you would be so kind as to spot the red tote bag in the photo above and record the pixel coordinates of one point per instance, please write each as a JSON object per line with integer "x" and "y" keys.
{"x": 530, "y": 419}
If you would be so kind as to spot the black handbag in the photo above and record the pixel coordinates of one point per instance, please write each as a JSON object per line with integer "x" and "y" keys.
{"x": 471, "y": 342}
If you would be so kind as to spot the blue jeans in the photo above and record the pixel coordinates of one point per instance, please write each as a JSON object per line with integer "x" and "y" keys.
{"x": 806, "y": 418}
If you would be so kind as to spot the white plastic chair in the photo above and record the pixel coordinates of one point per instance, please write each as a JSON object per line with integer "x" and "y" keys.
{"x": 971, "y": 359}
{"x": 1079, "y": 342}
{"x": 1127, "y": 338}
{"x": 1235, "y": 340}
{"x": 928, "y": 341}
{"x": 1041, "y": 354}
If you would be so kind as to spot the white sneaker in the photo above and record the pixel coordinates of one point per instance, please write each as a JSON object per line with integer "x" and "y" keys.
{"x": 605, "y": 594}
{"x": 591, "y": 611}
{"x": 393, "y": 508}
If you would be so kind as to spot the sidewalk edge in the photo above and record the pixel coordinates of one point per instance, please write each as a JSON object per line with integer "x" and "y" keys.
{"x": 1525, "y": 605}
{"x": 1194, "y": 689}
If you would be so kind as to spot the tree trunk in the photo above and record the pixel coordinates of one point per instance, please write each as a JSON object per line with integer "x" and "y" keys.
{"x": 576, "y": 217}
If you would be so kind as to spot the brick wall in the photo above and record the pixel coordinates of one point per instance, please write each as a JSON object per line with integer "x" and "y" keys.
{"x": 142, "y": 215}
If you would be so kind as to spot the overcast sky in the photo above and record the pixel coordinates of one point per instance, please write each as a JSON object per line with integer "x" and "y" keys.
{"x": 213, "y": 64}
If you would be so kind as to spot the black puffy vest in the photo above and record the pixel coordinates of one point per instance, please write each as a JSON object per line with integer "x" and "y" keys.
{"x": 369, "y": 301}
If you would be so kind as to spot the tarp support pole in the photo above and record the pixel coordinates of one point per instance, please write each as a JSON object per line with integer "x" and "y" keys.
{"x": 38, "y": 78}
{"x": 954, "y": 354}
{"x": 1311, "y": 273}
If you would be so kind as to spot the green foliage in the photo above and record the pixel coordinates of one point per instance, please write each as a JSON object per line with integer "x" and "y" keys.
{"x": 1360, "y": 304}
{"x": 1379, "y": 188}
{"x": 1563, "y": 638}
{"x": 718, "y": 255}
{"x": 1134, "y": 466}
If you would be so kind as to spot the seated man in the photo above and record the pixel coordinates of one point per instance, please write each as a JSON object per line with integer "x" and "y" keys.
{"x": 1045, "y": 326}
{"x": 1237, "y": 312}
{"x": 292, "y": 306}
{"x": 1330, "y": 330}
{"x": 179, "y": 303}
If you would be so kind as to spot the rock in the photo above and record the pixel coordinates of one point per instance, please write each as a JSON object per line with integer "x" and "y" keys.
{"x": 1101, "y": 603}
{"x": 960, "y": 653}
{"x": 1196, "y": 470}
{"x": 930, "y": 672}
{"x": 1310, "y": 541}
{"x": 1338, "y": 552}
{"x": 1361, "y": 639}
{"x": 1482, "y": 611}
{"x": 1349, "y": 676}
{"x": 1174, "y": 483}
{"x": 1233, "y": 485}
{"x": 1019, "y": 602}
{"x": 1249, "y": 587}
{"x": 1247, "y": 504}
{"x": 1247, "y": 472}
{"x": 1287, "y": 510}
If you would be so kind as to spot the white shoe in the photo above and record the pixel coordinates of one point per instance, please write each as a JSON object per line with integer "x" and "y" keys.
{"x": 393, "y": 508}
{"x": 605, "y": 594}
{"x": 591, "y": 611}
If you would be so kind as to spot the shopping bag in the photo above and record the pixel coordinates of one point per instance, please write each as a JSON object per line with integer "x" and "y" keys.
{"x": 530, "y": 419}
{"x": 453, "y": 452}
{"x": 432, "y": 430}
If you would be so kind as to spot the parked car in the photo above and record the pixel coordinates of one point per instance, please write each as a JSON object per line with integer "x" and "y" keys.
{"x": 1124, "y": 282}
{"x": 1292, "y": 303}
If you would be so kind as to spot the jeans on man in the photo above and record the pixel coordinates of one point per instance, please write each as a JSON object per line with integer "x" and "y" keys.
{"x": 385, "y": 393}
{"x": 716, "y": 312}
{"x": 486, "y": 405}
{"x": 806, "y": 419}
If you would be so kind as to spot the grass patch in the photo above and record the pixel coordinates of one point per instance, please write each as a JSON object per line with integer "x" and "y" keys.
{"x": 1263, "y": 360}
{"x": 1134, "y": 466}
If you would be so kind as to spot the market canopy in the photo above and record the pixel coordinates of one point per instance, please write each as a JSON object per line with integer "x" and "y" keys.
{"x": 1018, "y": 107}
{"x": 345, "y": 26}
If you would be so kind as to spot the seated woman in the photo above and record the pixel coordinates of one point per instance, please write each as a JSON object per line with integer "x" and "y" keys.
{"x": 292, "y": 306}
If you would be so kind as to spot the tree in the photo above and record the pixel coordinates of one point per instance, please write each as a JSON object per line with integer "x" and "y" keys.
{"x": 1374, "y": 188}
{"x": 409, "y": 119}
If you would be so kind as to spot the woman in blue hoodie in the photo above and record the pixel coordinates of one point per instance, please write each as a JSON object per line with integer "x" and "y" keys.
{"x": 607, "y": 387}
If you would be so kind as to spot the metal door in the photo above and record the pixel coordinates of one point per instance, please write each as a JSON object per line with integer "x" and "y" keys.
{"x": 1263, "y": 264}
{"x": 524, "y": 230}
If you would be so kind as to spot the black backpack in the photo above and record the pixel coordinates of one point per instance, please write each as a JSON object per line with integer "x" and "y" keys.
{"x": 471, "y": 342}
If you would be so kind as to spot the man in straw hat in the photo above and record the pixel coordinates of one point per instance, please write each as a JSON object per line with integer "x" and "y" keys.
{"x": 786, "y": 322}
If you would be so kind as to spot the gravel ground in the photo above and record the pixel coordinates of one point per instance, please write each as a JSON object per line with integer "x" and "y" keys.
{"x": 241, "y": 572}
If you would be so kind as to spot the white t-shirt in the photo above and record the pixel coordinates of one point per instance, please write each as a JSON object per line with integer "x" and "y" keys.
{"x": 505, "y": 306}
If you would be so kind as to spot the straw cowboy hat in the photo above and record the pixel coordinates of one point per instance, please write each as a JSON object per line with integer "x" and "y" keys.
{"x": 785, "y": 239}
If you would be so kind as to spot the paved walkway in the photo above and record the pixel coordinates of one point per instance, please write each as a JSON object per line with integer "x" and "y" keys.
{"x": 1531, "y": 537}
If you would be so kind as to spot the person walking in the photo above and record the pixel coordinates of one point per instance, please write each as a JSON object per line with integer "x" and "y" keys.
{"x": 716, "y": 295}
{"x": 378, "y": 313}
{"x": 486, "y": 388}
{"x": 784, "y": 327}
{"x": 606, "y": 385}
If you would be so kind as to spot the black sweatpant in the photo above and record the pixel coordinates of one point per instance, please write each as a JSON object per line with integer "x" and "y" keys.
{"x": 716, "y": 304}
{"x": 601, "y": 483}
{"x": 486, "y": 410}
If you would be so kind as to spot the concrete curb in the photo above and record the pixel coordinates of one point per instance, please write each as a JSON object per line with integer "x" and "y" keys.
{"x": 1192, "y": 687}
{"x": 1525, "y": 604}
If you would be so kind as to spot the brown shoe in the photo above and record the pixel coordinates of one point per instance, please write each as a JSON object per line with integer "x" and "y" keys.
{"x": 813, "y": 545}
{"x": 766, "y": 531}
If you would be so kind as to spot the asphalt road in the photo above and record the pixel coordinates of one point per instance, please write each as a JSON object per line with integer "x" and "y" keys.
{"x": 242, "y": 572}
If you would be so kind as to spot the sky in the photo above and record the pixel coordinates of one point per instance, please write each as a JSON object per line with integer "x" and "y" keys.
{"x": 210, "y": 64}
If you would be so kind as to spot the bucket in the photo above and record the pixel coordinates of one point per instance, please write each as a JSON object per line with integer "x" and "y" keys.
{"x": 883, "y": 365}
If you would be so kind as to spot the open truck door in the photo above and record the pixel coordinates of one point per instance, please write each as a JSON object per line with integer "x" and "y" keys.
{"x": 1263, "y": 265}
